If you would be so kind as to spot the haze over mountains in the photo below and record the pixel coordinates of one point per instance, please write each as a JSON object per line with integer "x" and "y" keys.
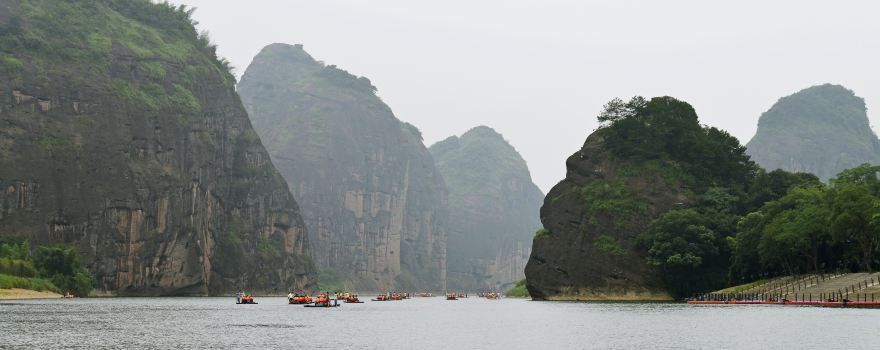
{"x": 537, "y": 74}
{"x": 124, "y": 137}
{"x": 493, "y": 210}
{"x": 372, "y": 199}
{"x": 821, "y": 130}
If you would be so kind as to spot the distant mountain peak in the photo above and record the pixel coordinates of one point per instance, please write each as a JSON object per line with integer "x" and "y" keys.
{"x": 493, "y": 209}
{"x": 822, "y": 129}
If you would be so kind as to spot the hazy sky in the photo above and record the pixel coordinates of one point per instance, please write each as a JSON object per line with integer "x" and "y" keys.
{"x": 540, "y": 71}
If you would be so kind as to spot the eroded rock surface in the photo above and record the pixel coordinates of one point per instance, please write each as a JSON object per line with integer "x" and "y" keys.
{"x": 493, "y": 210}
{"x": 371, "y": 197}
{"x": 121, "y": 134}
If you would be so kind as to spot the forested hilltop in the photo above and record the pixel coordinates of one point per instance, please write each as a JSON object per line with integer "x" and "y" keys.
{"x": 657, "y": 206}
{"x": 123, "y": 137}
{"x": 821, "y": 130}
{"x": 493, "y": 210}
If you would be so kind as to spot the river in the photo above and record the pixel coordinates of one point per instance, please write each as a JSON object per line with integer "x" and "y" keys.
{"x": 426, "y": 323}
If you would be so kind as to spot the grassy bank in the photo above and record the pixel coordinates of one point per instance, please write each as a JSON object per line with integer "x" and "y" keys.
{"x": 519, "y": 291}
{"x": 22, "y": 294}
{"x": 744, "y": 287}
{"x": 36, "y": 284}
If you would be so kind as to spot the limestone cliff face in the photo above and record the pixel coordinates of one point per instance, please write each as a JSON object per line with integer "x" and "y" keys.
{"x": 493, "y": 210}
{"x": 122, "y": 135}
{"x": 567, "y": 261}
{"x": 821, "y": 130}
{"x": 371, "y": 197}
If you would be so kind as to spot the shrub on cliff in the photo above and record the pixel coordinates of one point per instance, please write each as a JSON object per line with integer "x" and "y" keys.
{"x": 518, "y": 291}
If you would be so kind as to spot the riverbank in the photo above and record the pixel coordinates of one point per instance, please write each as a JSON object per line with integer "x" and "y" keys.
{"x": 570, "y": 294}
{"x": 23, "y": 294}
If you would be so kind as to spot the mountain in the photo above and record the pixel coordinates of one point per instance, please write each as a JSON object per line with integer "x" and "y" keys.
{"x": 372, "y": 199}
{"x": 821, "y": 130}
{"x": 493, "y": 210}
{"x": 650, "y": 160}
{"x": 122, "y": 136}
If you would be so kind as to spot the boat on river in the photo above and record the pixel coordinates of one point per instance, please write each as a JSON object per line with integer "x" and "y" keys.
{"x": 324, "y": 301}
{"x": 300, "y": 299}
{"x": 451, "y": 296}
{"x": 349, "y": 298}
{"x": 491, "y": 296}
{"x": 246, "y": 300}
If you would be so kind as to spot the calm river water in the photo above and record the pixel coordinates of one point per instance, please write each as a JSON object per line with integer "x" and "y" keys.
{"x": 426, "y": 323}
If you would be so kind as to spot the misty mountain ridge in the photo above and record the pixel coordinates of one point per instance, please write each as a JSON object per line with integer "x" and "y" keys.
{"x": 822, "y": 130}
{"x": 493, "y": 209}
{"x": 373, "y": 202}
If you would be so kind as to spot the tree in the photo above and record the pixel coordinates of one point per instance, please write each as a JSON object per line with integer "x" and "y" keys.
{"x": 745, "y": 259}
{"x": 854, "y": 220}
{"x": 865, "y": 175}
{"x": 769, "y": 186}
{"x": 617, "y": 109}
{"x": 62, "y": 266}
{"x": 797, "y": 226}
{"x": 681, "y": 244}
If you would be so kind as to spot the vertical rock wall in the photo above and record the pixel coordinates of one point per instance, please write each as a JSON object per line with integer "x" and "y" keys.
{"x": 370, "y": 195}
{"x": 121, "y": 134}
{"x": 493, "y": 210}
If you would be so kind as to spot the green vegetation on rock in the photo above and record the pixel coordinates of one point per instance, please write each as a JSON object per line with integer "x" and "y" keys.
{"x": 541, "y": 233}
{"x": 518, "y": 291}
{"x": 655, "y": 203}
{"x": 611, "y": 199}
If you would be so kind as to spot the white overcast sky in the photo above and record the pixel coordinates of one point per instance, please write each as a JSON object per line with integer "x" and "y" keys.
{"x": 540, "y": 71}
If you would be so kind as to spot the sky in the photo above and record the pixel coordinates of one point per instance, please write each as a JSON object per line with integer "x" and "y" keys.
{"x": 540, "y": 71}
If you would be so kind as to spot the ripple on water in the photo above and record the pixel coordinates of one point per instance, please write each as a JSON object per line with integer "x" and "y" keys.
{"x": 423, "y": 323}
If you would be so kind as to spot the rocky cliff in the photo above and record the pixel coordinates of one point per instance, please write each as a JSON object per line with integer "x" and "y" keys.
{"x": 569, "y": 260}
{"x": 122, "y": 135}
{"x": 371, "y": 197}
{"x": 821, "y": 130}
{"x": 648, "y": 158}
{"x": 493, "y": 210}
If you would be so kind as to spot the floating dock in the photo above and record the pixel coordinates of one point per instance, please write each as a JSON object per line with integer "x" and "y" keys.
{"x": 859, "y": 304}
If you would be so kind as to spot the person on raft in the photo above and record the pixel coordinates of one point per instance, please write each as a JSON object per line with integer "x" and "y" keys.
{"x": 238, "y": 297}
{"x": 290, "y": 297}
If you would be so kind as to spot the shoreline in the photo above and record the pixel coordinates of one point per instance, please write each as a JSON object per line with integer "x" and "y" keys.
{"x": 27, "y": 294}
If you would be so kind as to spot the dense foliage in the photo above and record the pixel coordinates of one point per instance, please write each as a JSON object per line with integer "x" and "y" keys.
{"x": 813, "y": 228}
{"x": 744, "y": 223}
{"x": 667, "y": 129}
{"x": 58, "y": 267}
